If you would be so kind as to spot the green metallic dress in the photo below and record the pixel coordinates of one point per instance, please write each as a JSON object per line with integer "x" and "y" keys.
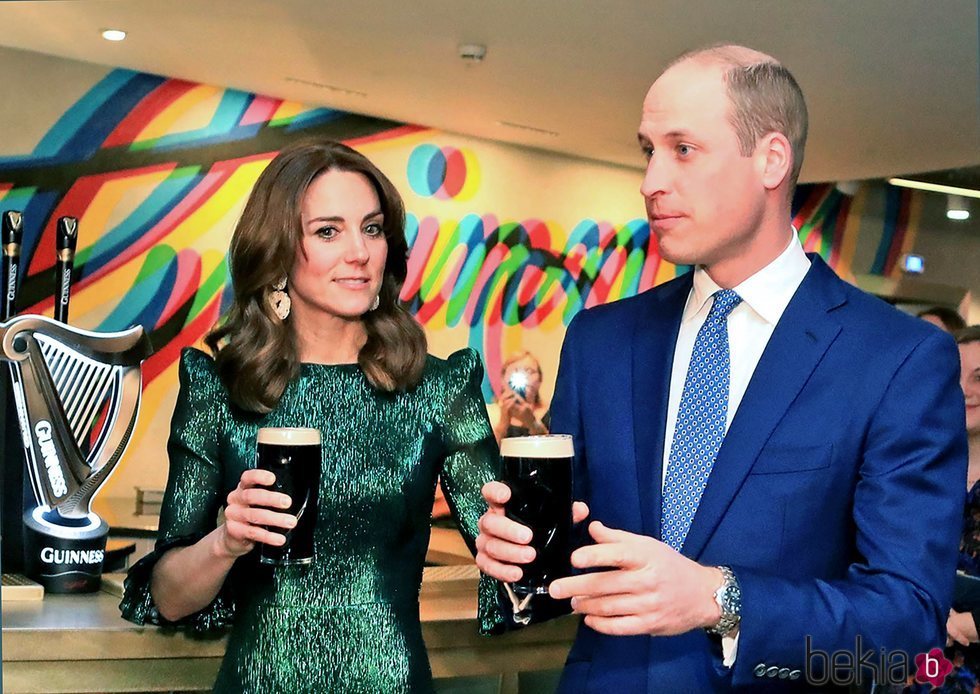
{"x": 349, "y": 622}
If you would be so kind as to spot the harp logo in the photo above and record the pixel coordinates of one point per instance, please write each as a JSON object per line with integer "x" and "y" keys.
{"x": 51, "y": 463}
{"x": 50, "y": 555}
{"x": 12, "y": 283}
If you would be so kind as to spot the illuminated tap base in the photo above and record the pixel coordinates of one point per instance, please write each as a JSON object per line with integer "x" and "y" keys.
{"x": 64, "y": 555}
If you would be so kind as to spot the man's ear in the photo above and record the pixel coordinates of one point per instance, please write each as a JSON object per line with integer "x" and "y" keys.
{"x": 774, "y": 157}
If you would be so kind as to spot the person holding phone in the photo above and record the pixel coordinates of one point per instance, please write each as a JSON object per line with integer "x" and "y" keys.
{"x": 522, "y": 412}
{"x": 519, "y": 412}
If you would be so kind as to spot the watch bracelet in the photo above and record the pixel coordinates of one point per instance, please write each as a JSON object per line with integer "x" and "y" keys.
{"x": 731, "y": 590}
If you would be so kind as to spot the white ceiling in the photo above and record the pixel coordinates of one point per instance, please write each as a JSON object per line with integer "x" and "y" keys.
{"x": 892, "y": 85}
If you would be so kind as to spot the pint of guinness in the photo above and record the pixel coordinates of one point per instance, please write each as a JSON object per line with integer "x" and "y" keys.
{"x": 293, "y": 456}
{"x": 538, "y": 470}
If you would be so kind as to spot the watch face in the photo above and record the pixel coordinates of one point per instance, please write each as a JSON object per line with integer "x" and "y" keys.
{"x": 729, "y": 596}
{"x": 729, "y": 600}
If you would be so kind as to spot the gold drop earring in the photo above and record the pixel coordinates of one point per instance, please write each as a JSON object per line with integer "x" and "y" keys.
{"x": 280, "y": 299}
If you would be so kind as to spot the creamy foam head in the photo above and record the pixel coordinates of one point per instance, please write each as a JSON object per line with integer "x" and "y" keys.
{"x": 551, "y": 446}
{"x": 289, "y": 436}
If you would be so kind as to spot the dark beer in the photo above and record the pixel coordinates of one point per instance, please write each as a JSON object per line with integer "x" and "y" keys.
{"x": 538, "y": 470}
{"x": 293, "y": 456}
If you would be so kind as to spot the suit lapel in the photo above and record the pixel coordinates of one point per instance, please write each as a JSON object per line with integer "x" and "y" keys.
{"x": 653, "y": 356}
{"x": 801, "y": 338}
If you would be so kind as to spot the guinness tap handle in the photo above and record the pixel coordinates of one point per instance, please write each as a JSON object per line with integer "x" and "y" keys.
{"x": 13, "y": 235}
{"x": 67, "y": 239}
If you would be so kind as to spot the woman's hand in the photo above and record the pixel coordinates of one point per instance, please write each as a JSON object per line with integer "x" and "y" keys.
{"x": 249, "y": 515}
{"x": 513, "y": 406}
{"x": 187, "y": 579}
{"x": 961, "y": 628}
{"x": 508, "y": 399}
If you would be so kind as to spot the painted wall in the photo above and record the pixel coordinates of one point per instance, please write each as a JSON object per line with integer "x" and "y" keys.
{"x": 507, "y": 243}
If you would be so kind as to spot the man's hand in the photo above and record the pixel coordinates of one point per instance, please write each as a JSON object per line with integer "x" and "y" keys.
{"x": 961, "y": 628}
{"x": 502, "y": 544}
{"x": 648, "y": 588}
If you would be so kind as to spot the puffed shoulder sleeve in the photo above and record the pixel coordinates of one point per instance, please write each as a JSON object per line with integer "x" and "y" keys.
{"x": 193, "y": 496}
{"x": 472, "y": 460}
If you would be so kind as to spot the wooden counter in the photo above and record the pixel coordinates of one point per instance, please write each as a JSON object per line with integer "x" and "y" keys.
{"x": 81, "y": 644}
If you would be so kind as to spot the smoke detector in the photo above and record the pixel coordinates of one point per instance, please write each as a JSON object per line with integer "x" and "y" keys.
{"x": 472, "y": 52}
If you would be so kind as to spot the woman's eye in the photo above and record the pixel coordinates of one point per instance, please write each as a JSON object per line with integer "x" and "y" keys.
{"x": 374, "y": 230}
{"x": 647, "y": 152}
{"x": 327, "y": 232}
{"x": 684, "y": 150}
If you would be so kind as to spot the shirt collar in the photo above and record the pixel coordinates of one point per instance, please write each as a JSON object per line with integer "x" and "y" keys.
{"x": 767, "y": 292}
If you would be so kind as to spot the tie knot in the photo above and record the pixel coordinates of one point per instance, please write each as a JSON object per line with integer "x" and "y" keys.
{"x": 725, "y": 301}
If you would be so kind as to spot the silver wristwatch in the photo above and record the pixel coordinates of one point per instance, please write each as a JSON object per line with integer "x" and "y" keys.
{"x": 729, "y": 599}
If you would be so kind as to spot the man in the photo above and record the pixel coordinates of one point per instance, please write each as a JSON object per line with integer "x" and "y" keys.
{"x": 943, "y": 318}
{"x": 757, "y": 429}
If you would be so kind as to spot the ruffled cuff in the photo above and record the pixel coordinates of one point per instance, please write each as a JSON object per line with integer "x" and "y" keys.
{"x": 499, "y": 614}
{"x": 137, "y": 603}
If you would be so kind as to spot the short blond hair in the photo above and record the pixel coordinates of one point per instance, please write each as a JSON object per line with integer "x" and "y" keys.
{"x": 764, "y": 95}
{"x": 516, "y": 357}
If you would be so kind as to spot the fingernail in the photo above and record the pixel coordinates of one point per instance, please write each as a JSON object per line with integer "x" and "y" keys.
{"x": 555, "y": 591}
{"x": 574, "y": 603}
{"x": 525, "y": 536}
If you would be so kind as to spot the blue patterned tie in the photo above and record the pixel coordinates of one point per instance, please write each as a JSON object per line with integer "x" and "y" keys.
{"x": 701, "y": 419}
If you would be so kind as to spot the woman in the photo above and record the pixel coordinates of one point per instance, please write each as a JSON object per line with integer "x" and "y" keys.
{"x": 522, "y": 413}
{"x": 316, "y": 337}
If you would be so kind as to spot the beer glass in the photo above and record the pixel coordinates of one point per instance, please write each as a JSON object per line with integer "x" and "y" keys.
{"x": 293, "y": 456}
{"x": 538, "y": 470}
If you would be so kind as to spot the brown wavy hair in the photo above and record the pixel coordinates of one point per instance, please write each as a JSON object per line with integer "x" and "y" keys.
{"x": 255, "y": 352}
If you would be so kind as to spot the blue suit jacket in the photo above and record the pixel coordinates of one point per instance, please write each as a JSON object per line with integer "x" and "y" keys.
{"x": 837, "y": 495}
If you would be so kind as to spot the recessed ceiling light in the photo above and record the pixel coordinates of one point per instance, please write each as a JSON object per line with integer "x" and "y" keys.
{"x": 956, "y": 208}
{"x": 113, "y": 34}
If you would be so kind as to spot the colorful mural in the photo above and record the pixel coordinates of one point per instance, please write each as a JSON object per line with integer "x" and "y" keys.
{"x": 443, "y": 172}
{"x": 158, "y": 169}
{"x": 829, "y": 222}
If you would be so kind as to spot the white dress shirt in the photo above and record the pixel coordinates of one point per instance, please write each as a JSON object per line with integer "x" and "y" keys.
{"x": 765, "y": 296}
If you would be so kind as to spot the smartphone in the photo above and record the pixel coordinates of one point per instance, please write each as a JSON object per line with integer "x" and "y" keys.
{"x": 518, "y": 383}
